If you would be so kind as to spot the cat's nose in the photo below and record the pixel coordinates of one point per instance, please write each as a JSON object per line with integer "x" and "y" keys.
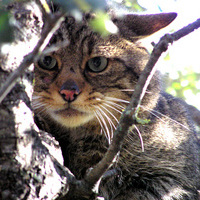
{"x": 69, "y": 91}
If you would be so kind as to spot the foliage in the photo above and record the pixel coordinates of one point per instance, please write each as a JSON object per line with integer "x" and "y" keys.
{"x": 77, "y": 7}
{"x": 6, "y": 29}
{"x": 186, "y": 85}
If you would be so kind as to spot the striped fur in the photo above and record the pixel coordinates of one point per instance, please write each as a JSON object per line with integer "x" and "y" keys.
{"x": 158, "y": 160}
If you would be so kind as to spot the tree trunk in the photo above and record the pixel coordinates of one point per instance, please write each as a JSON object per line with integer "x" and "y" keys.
{"x": 28, "y": 169}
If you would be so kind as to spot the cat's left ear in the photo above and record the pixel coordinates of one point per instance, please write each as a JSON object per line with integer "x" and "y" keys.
{"x": 132, "y": 26}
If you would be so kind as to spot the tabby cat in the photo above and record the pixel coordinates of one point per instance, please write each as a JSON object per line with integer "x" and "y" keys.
{"x": 80, "y": 92}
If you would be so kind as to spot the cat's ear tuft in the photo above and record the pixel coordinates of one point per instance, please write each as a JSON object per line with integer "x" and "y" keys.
{"x": 135, "y": 26}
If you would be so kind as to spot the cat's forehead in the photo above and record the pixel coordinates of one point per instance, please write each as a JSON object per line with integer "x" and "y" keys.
{"x": 72, "y": 31}
{"x": 77, "y": 33}
{"x": 83, "y": 39}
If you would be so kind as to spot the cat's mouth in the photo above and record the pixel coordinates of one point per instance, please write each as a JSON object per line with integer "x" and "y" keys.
{"x": 69, "y": 112}
{"x": 72, "y": 117}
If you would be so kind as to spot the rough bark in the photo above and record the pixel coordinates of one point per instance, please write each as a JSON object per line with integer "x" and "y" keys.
{"x": 31, "y": 164}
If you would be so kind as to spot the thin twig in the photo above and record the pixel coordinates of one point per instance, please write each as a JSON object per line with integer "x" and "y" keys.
{"x": 51, "y": 25}
{"x": 128, "y": 117}
{"x": 186, "y": 30}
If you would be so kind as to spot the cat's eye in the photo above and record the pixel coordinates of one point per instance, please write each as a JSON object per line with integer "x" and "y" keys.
{"x": 48, "y": 63}
{"x": 97, "y": 64}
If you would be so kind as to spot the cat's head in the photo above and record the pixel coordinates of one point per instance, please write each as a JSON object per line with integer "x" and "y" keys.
{"x": 92, "y": 78}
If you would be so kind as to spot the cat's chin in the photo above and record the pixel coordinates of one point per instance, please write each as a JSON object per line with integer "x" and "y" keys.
{"x": 71, "y": 117}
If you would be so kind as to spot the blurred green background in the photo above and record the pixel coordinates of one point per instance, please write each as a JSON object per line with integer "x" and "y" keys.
{"x": 180, "y": 66}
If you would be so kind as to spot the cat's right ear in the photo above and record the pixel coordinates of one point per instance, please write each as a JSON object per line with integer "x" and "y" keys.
{"x": 133, "y": 27}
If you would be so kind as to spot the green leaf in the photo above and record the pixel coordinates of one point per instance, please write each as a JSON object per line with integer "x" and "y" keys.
{"x": 98, "y": 23}
{"x": 139, "y": 120}
{"x": 142, "y": 121}
{"x": 176, "y": 85}
{"x": 103, "y": 24}
{"x": 6, "y": 30}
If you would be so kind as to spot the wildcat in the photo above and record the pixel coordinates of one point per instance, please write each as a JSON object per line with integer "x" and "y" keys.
{"x": 80, "y": 92}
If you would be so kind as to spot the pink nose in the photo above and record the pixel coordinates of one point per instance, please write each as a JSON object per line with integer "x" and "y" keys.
{"x": 69, "y": 95}
{"x": 69, "y": 90}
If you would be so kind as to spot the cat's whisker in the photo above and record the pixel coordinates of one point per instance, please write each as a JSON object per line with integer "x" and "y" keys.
{"x": 38, "y": 102}
{"x": 107, "y": 132}
{"x": 99, "y": 120}
{"x": 98, "y": 116}
{"x": 114, "y": 108}
{"x": 41, "y": 107}
{"x": 131, "y": 140}
{"x": 37, "y": 105}
{"x": 126, "y": 150}
{"x": 140, "y": 136}
{"x": 110, "y": 114}
{"x": 117, "y": 99}
{"x": 153, "y": 114}
{"x": 36, "y": 97}
{"x": 154, "y": 111}
{"x": 110, "y": 123}
{"x": 127, "y": 90}
{"x": 132, "y": 90}
{"x": 109, "y": 120}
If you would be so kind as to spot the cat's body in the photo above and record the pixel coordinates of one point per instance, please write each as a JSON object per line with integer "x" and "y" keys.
{"x": 80, "y": 91}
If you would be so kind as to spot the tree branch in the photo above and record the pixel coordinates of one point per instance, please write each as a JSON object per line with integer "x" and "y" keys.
{"x": 51, "y": 25}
